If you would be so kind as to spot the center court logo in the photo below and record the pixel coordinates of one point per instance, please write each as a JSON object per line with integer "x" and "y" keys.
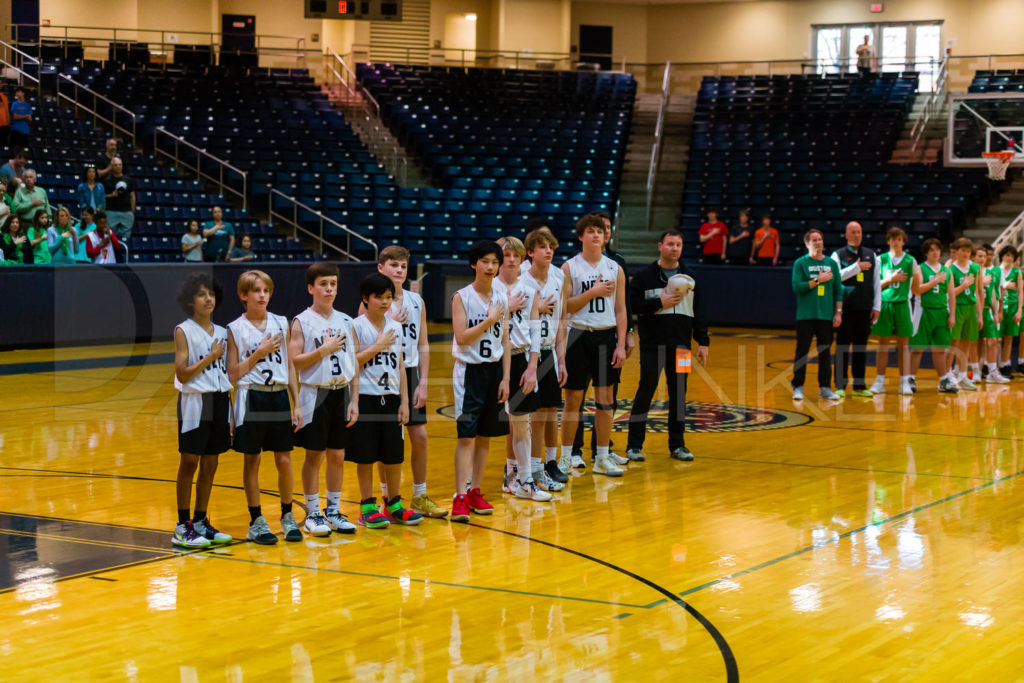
{"x": 700, "y": 417}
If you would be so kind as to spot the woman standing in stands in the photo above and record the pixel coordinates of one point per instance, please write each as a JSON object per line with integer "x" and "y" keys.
{"x": 62, "y": 238}
{"x": 90, "y": 191}
{"x": 14, "y": 243}
{"x": 220, "y": 236}
{"x": 243, "y": 252}
{"x": 192, "y": 243}
{"x": 740, "y": 239}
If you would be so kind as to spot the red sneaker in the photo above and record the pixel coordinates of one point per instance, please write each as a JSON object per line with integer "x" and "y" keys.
{"x": 477, "y": 503}
{"x": 460, "y": 509}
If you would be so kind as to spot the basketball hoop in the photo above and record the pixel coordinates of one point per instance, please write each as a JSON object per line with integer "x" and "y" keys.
{"x": 997, "y": 163}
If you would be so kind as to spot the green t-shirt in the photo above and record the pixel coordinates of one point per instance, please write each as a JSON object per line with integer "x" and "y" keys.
{"x": 992, "y": 288}
{"x": 816, "y": 303}
{"x": 41, "y": 251}
{"x": 1009, "y": 295}
{"x": 897, "y": 291}
{"x": 966, "y": 297}
{"x": 936, "y": 296}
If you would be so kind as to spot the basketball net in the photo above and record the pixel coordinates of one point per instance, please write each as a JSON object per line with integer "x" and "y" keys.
{"x": 997, "y": 163}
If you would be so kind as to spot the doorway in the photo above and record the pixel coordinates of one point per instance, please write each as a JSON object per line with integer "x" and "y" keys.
{"x": 596, "y": 45}
{"x": 238, "y": 40}
{"x": 460, "y": 38}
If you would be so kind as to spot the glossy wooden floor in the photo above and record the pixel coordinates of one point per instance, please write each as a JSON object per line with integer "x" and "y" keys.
{"x": 879, "y": 540}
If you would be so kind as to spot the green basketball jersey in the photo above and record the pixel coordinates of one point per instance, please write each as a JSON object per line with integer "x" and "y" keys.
{"x": 992, "y": 288}
{"x": 897, "y": 291}
{"x": 1009, "y": 295}
{"x": 967, "y": 296}
{"x": 936, "y": 296}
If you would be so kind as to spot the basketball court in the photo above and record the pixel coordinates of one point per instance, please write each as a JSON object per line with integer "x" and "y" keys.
{"x": 869, "y": 539}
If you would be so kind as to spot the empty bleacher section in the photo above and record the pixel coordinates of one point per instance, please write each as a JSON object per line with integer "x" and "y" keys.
{"x": 812, "y": 151}
{"x": 969, "y": 129}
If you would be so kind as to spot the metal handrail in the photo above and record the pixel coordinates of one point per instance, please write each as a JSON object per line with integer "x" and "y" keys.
{"x": 323, "y": 220}
{"x": 22, "y": 74}
{"x": 930, "y": 106}
{"x": 354, "y": 87}
{"x": 1012, "y": 235}
{"x": 128, "y": 133}
{"x": 200, "y": 154}
{"x": 300, "y": 41}
{"x": 652, "y": 170}
{"x": 517, "y": 57}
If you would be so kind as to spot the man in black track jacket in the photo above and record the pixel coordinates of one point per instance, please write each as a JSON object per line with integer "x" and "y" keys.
{"x": 667, "y": 321}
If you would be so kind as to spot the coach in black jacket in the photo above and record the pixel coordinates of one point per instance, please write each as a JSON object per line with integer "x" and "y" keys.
{"x": 667, "y": 322}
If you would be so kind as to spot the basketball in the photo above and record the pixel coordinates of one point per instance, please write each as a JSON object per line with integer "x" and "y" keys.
{"x": 680, "y": 284}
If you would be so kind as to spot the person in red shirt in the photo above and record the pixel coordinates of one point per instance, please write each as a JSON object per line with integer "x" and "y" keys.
{"x": 712, "y": 237}
{"x": 766, "y": 244}
{"x": 102, "y": 244}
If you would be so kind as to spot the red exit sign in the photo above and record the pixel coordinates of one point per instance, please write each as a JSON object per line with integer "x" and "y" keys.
{"x": 343, "y": 7}
{"x": 876, "y": 7}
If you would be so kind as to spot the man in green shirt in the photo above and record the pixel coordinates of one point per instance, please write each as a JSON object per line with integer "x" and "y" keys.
{"x": 899, "y": 272}
{"x": 937, "y": 317}
{"x": 30, "y": 199}
{"x": 1010, "y": 282}
{"x": 969, "y": 319}
{"x": 819, "y": 308}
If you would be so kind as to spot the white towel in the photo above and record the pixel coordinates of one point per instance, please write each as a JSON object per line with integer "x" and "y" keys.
{"x": 915, "y": 312}
{"x": 241, "y": 394}
{"x": 307, "y": 402}
{"x": 191, "y": 411}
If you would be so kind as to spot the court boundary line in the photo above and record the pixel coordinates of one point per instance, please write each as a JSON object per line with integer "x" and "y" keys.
{"x": 782, "y": 463}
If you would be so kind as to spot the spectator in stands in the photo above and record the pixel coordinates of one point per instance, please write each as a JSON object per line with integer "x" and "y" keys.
{"x": 30, "y": 199}
{"x": 192, "y": 242}
{"x": 102, "y": 244}
{"x": 120, "y": 192}
{"x": 220, "y": 236}
{"x": 21, "y": 117}
{"x": 62, "y": 238}
{"x": 105, "y": 161}
{"x": 766, "y": 244}
{"x": 5, "y": 119}
{"x": 15, "y": 166}
{"x": 740, "y": 238}
{"x": 5, "y": 201}
{"x": 712, "y": 236}
{"x": 864, "y": 57}
{"x": 37, "y": 237}
{"x": 91, "y": 192}
{"x": 86, "y": 225}
{"x": 243, "y": 252}
{"x": 14, "y": 243}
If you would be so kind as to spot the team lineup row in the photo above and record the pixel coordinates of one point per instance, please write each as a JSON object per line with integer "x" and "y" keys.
{"x": 525, "y": 337}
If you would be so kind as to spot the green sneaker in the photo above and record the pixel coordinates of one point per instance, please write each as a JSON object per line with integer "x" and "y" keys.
{"x": 841, "y": 393}
{"x": 863, "y": 393}
{"x": 370, "y": 515}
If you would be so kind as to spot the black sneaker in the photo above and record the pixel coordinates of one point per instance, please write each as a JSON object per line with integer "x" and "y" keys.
{"x": 984, "y": 371}
{"x": 551, "y": 469}
{"x": 1006, "y": 371}
{"x": 681, "y": 453}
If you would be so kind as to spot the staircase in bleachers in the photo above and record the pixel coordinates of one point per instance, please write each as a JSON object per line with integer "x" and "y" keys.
{"x": 812, "y": 151}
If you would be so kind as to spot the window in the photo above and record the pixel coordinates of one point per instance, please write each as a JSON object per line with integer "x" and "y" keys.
{"x": 895, "y": 47}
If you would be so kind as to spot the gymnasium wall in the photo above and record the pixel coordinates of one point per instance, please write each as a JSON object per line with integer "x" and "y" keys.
{"x": 47, "y": 306}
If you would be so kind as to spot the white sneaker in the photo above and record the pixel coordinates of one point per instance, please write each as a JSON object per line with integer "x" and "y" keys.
{"x": 905, "y": 388}
{"x": 603, "y": 465}
{"x": 565, "y": 463}
{"x": 541, "y": 479}
{"x": 578, "y": 463}
{"x": 967, "y": 385}
{"x": 618, "y": 459}
{"x": 511, "y": 480}
{"x": 879, "y": 386}
{"x": 529, "y": 491}
{"x": 185, "y": 536}
{"x": 996, "y": 378}
{"x": 338, "y": 522}
{"x": 316, "y": 524}
{"x": 827, "y": 394}
{"x": 798, "y": 394}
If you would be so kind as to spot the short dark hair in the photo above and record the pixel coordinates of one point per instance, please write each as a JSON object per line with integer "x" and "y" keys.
{"x": 190, "y": 287}
{"x": 987, "y": 247}
{"x": 483, "y": 248}
{"x": 604, "y": 215}
{"x": 375, "y": 284}
{"x": 98, "y": 215}
{"x": 927, "y": 245}
{"x": 537, "y": 222}
{"x": 1009, "y": 249}
{"x": 671, "y": 232}
{"x": 318, "y": 269}
{"x": 895, "y": 232}
{"x": 807, "y": 235}
{"x": 85, "y": 171}
{"x": 962, "y": 243}
{"x": 589, "y": 221}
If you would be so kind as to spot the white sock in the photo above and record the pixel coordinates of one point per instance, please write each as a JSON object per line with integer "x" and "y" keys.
{"x": 550, "y": 453}
{"x": 384, "y": 490}
{"x": 601, "y": 451}
{"x": 880, "y": 379}
{"x": 312, "y": 503}
{"x": 511, "y": 462}
{"x": 521, "y": 442}
{"x": 419, "y": 489}
{"x": 536, "y": 465}
{"x": 566, "y": 452}
{"x": 333, "y": 500}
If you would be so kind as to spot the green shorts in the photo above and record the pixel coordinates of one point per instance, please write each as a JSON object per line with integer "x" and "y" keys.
{"x": 989, "y": 329}
{"x": 933, "y": 329}
{"x": 894, "y": 320}
{"x": 1008, "y": 328}
{"x": 966, "y": 327}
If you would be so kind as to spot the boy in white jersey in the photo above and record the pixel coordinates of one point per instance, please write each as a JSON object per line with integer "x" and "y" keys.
{"x": 264, "y": 419}
{"x": 521, "y": 471}
{"x": 204, "y": 407}
{"x": 480, "y": 376}
{"x": 383, "y": 405}
{"x": 547, "y": 281}
{"x": 408, "y": 310}
{"x": 595, "y": 346}
{"x": 322, "y": 350}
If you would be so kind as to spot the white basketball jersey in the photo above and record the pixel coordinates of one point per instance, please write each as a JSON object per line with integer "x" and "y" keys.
{"x": 599, "y": 312}
{"x": 487, "y": 348}
{"x": 340, "y": 366}
{"x": 413, "y": 305}
{"x": 214, "y": 376}
{"x": 552, "y": 288}
{"x": 106, "y": 254}
{"x": 379, "y": 375}
{"x": 272, "y": 369}
{"x": 553, "y": 271}
{"x": 519, "y": 321}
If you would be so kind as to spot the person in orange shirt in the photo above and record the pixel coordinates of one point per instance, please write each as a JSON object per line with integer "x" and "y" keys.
{"x": 5, "y": 119}
{"x": 766, "y": 244}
